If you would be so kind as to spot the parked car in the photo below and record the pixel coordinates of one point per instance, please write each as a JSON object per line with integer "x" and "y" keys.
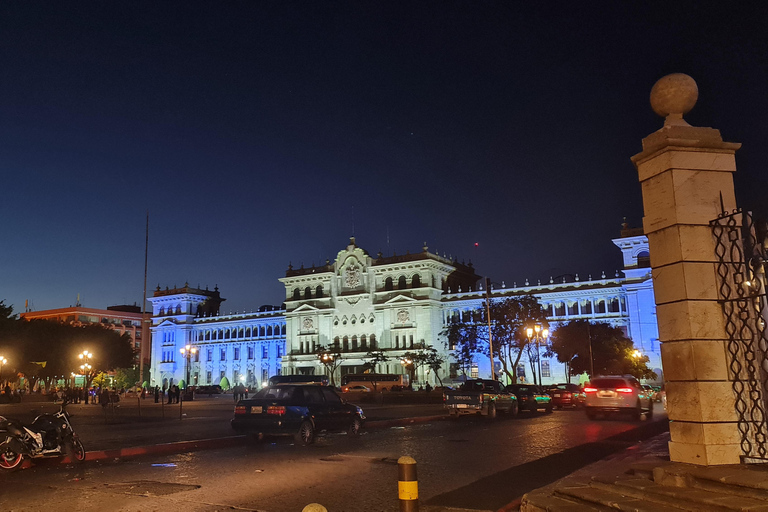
{"x": 566, "y": 395}
{"x": 617, "y": 394}
{"x": 296, "y": 410}
{"x": 214, "y": 389}
{"x": 356, "y": 389}
{"x": 530, "y": 397}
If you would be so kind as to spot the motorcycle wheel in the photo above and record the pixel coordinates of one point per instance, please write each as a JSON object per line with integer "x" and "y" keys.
{"x": 75, "y": 451}
{"x": 10, "y": 460}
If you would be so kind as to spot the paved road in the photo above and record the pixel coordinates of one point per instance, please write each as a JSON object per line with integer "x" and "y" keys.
{"x": 469, "y": 463}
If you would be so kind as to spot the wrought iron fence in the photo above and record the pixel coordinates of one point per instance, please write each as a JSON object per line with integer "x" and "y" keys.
{"x": 740, "y": 267}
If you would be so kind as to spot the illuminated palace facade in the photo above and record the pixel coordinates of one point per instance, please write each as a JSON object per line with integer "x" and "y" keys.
{"x": 395, "y": 304}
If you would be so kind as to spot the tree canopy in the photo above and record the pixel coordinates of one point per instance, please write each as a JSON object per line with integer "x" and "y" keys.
{"x": 47, "y": 350}
{"x": 613, "y": 352}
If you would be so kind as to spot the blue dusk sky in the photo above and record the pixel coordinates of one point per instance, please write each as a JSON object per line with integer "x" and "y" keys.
{"x": 258, "y": 134}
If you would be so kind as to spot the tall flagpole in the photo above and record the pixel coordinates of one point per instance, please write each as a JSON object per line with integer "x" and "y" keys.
{"x": 144, "y": 332}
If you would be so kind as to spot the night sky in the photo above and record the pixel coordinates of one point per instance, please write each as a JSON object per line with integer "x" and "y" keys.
{"x": 262, "y": 133}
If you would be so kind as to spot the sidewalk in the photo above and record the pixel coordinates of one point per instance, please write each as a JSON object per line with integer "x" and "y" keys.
{"x": 642, "y": 479}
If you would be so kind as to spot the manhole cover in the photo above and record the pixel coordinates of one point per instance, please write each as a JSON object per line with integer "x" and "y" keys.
{"x": 151, "y": 488}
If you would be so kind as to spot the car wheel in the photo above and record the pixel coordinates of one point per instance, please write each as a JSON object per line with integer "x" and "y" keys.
{"x": 637, "y": 414}
{"x": 492, "y": 411}
{"x": 354, "y": 427}
{"x": 10, "y": 460}
{"x": 75, "y": 450}
{"x": 514, "y": 409}
{"x": 306, "y": 433}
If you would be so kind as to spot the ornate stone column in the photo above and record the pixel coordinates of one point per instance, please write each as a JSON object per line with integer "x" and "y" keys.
{"x": 685, "y": 172}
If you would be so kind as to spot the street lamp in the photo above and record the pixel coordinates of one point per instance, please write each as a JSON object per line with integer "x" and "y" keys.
{"x": 85, "y": 369}
{"x": 2, "y": 363}
{"x": 407, "y": 363}
{"x": 538, "y": 334}
{"x": 187, "y": 352}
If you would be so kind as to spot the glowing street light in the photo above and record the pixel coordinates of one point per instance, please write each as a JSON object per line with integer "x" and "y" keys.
{"x": 538, "y": 334}
{"x": 187, "y": 352}
{"x": 2, "y": 363}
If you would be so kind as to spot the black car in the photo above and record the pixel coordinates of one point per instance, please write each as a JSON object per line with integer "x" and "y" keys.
{"x": 566, "y": 395}
{"x": 296, "y": 410}
{"x": 530, "y": 397}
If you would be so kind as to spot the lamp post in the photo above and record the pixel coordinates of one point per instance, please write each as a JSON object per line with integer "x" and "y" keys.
{"x": 408, "y": 365}
{"x": 187, "y": 353}
{"x": 2, "y": 363}
{"x": 537, "y": 333}
{"x": 85, "y": 370}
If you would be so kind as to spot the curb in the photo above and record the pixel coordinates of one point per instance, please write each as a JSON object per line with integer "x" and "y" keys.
{"x": 221, "y": 442}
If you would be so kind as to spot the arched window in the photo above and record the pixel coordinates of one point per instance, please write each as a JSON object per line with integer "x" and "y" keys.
{"x": 416, "y": 281}
{"x": 401, "y": 283}
{"x": 296, "y": 294}
{"x": 345, "y": 342}
{"x": 600, "y": 306}
{"x": 262, "y": 331}
{"x": 269, "y": 331}
{"x": 336, "y": 343}
{"x": 161, "y": 312}
{"x": 387, "y": 285}
{"x": 307, "y": 292}
{"x": 643, "y": 259}
{"x": 208, "y": 335}
{"x": 226, "y": 334}
{"x": 241, "y": 333}
{"x": 362, "y": 342}
{"x": 354, "y": 343}
{"x": 248, "y": 332}
{"x": 373, "y": 341}
{"x": 282, "y": 330}
{"x": 319, "y": 291}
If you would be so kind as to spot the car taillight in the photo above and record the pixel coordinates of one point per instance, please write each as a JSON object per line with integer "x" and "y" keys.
{"x": 567, "y": 395}
{"x": 345, "y": 389}
{"x": 624, "y": 390}
{"x": 276, "y": 409}
{"x": 590, "y": 390}
{"x": 239, "y": 409}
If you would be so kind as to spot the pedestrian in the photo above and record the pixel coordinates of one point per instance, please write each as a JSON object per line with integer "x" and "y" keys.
{"x": 157, "y": 394}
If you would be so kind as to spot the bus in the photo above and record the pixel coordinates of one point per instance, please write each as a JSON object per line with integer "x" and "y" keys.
{"x": 319, "y": 380}
{"x": 374, "y": 381}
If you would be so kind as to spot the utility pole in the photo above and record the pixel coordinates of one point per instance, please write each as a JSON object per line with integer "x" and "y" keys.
{"x": 591, "y": 358}
{"x": 144, "y": 332}
{"x": 488, "y": 314}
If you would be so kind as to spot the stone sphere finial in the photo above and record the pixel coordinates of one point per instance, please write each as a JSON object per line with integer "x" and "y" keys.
{"x": 674, "y": 95}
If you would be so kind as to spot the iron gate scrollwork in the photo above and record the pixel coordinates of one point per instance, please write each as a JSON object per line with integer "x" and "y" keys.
{"x": 740, "y": 267}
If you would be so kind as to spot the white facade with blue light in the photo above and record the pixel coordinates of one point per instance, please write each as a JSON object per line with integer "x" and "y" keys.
{"x": 394, "y": 304}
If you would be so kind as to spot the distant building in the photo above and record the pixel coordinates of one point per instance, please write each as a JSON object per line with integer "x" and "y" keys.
{"x": 242, "y": 348}
{"x": 396, "y": 304}
{"x": 123, "y": 319}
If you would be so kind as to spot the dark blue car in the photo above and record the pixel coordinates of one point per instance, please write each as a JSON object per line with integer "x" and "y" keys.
{"x": 296, "y": 410}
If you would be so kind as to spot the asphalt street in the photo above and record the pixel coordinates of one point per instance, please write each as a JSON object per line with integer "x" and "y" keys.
{"x": 468, "y": 463}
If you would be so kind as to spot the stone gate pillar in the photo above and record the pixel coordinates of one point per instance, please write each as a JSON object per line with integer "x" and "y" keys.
{"x": 685, "y": 172}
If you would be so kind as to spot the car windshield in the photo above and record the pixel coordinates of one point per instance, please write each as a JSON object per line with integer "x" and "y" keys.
{"x": 609, "y": 383}
{"x": 276, "y": 392}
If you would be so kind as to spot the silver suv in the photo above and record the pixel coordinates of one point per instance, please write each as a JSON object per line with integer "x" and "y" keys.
{"x": 617, "y": 394}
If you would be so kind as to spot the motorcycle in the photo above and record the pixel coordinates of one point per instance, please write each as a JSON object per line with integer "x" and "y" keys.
{"x": 50, "y": 435}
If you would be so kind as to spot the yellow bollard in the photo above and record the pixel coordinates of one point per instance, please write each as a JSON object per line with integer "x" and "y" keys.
{"x": 314, "y": 507}
{"x": 407, "y": 485}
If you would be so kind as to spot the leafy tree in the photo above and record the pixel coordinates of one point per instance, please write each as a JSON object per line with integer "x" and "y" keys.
{"x": 429, "y": 357}
{"x": 435, "y": 362}
{"x": 331, "y": 359}
{"x": 612, "y": 352}
{"x": 509, "y": 319}
{"x": 371, "y": 360}
{"x": 463, "y": 340}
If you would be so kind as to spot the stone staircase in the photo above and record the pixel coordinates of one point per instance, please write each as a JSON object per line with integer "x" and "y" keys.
{"x": 657, "y": 487}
